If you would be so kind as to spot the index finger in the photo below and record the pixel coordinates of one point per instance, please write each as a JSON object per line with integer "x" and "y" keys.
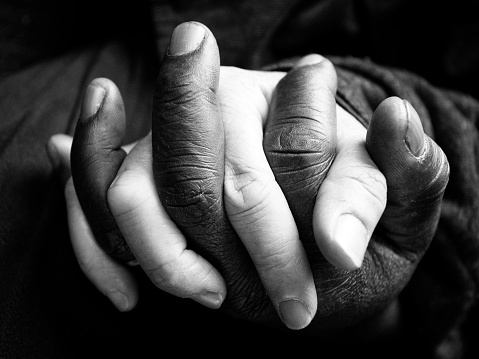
{"x": 189, "y": 166}
{"x": 157, "y": 243}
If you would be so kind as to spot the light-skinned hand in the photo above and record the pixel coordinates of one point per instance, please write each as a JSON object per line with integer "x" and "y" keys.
{"x": 295, "y": 179}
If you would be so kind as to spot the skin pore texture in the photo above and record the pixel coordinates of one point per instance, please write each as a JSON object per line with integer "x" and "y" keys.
{"x": 271, "y": 198}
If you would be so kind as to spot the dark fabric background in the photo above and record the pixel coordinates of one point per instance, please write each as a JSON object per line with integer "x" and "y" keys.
{"x": 50, "y": 50}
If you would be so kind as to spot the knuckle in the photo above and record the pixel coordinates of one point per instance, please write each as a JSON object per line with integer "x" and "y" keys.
{"x": 294, "y": 166}
{"x": 246, "y": 191}
{"x": 182, "y": 275}
{"x": 166, "y": 278}
{"x": 299, "y": 135}
{"x": 276, "y": 259}
{"x": 193, "y": 202}
{"x": 371, "y": 182}
{"x": 125, "y": 196}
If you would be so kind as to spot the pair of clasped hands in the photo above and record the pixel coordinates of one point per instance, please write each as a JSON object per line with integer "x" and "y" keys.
{"x": 253, "y": 191}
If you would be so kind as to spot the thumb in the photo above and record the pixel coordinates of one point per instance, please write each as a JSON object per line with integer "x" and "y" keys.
{"x": 416, "y": 172}
{"x": 188, "y": 147}
{"x": 187, "y": 132}
{"x": 300, "y": 137}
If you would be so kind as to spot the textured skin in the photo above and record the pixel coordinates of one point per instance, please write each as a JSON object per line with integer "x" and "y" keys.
{"x": 96, "y": 157}
{"x": 188, "y": 165}
{"x": 299, "y": 143}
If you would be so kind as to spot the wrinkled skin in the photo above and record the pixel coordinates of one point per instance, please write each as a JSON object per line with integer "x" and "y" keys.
{"x": 188, "y": 138}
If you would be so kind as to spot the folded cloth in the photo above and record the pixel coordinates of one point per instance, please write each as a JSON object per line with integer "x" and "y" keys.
{"x": 51, "y": 52}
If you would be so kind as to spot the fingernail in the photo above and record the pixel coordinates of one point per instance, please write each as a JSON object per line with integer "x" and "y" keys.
{"x": 209, "y": 299}
{"x": 186, "y": 38}
{"x": 414, "y": 137}
{"x": 119, "y": 300}
{"x": 133, "y": 262}
{"x": 294, "y": 314}
{"x": 352, "y": 237}
{"x": 92, "y": 101}
{"x": 311, "y": 59}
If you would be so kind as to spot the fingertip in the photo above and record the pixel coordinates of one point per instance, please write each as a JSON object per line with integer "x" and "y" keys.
{"x": 102, "y": 92}
{"x": 349, "y": 205}
{"x": 321, "y": 67}
{"x": 110, "y": 277}
{"x": 396, "y": 127}
{"x": 104, "y": 86}
{"x": 416, "y": 170}
{"x": 398, "y": 145}
{"x": 351, "y": 238}
{"x": 92, "y": 101}
{"x": 158, "y": 245}
{"x": 58, "y": 149}
{"x": 96, "y": 157}
{"x": 214, "y": 287}
{"x": 310, "y": 59}
{"x": 344, "y": 246}
{"x": 388, "y": 114}
{"x": 104, "y": 82}
{"x": 122, "y": 291}
{"x": 119, "y": 300}
{"x": 295, "y": 314}
{"x": 209, "y": 299}
{"x": 186, "y": 38}
{"x": 201, "y": 282}
{"x": 106, "y": 274}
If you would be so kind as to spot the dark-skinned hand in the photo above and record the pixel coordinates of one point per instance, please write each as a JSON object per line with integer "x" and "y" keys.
{"x": 255, "y": 191}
